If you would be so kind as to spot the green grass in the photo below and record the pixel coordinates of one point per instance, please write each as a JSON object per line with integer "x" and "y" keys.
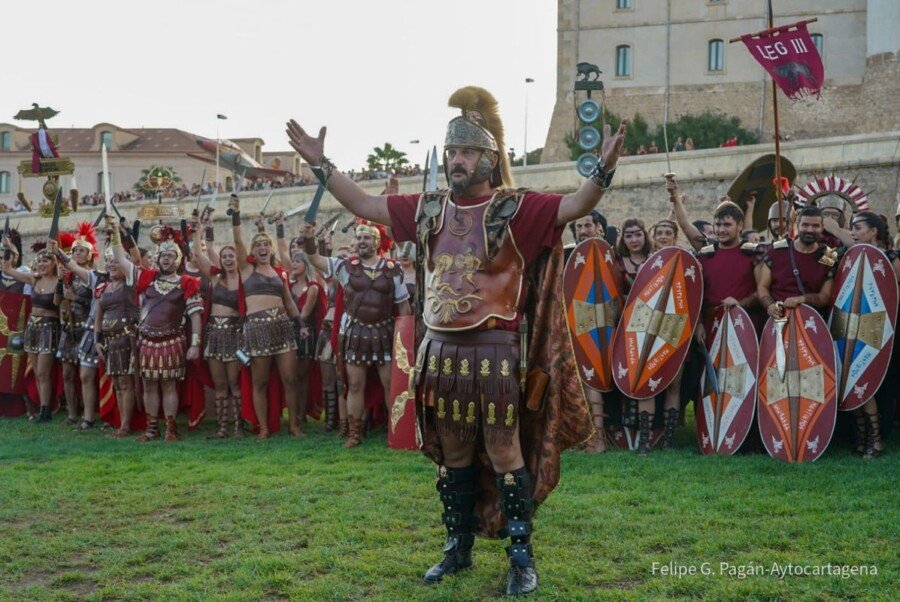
{"x": 86, "y": 517}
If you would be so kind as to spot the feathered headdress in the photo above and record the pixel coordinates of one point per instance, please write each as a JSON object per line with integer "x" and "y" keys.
{"x": 40, "y": 248}
{"x": 479, "y": 127}
{"x": 168, "y": 239}
{"x": 383, "y": 242}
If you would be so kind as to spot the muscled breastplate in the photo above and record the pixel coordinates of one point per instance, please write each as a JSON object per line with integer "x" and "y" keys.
{"x": 120, "y": 308}
{"x": 369, "y": 292}
{"x": 469, "y": 275}
{"x": 80, "y": 306}
{"x": 163, "y": 309}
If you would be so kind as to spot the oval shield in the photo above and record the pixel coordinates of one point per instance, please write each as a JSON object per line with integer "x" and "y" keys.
{"x": 862, "y": 323}
{"x": 653, "y": 336}
{"x": 797, "y": 404}
{"x": 594, "y": 293}
{"x": 401, "y": 401}
{"x": 725, "y": 414}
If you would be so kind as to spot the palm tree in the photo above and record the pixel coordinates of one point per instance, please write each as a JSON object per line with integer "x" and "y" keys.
{"x": 386, "y": 158}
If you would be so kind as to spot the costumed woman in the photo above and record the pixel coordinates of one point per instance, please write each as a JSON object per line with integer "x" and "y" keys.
{"x": 115, "y": 330}
{"x": 223, "y": 329}
{"x": 268, "y": 332}
{"x": 42, "y": 331}
{"x": 80, "y": 279}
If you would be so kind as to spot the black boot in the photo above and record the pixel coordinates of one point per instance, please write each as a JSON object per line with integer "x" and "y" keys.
{"x": 458, "y": 490}
{"x": 645, "y": 420}
{"x": 46, "y": 415}
{"x": 518, "y": 505}
{"x": 331, "y": 410}
{"x": 669, "y": 424}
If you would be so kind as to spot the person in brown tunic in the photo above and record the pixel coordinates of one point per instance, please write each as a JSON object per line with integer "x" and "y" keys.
{"x": 79, "y": 281}
{"x": 167, "y": 299}
{"x": 372, "y": 285}
{"x": 42, "y": 331}
{"x": 115, "y": 331}
{"x": 224, "y": 328}
{"x": 476, "y": 243}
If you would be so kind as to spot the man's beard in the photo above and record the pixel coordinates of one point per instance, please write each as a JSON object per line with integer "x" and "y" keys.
{"x": 167, "y": 271}
{"x": 459, "y": 186}
{"x": 809, "y": 238}
{"x": 366, "y": 253}
{"x": 583, "y": 237}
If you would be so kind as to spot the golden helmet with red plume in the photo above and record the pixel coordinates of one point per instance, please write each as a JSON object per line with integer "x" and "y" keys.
{"x": 479, "y": 127}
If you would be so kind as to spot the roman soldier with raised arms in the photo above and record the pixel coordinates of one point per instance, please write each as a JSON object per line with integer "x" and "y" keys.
{"x": 76, "y": 253}
{"x": 166, "y": 299}
{"x": 373, "y": 285}
{"x": 485, "y": 271}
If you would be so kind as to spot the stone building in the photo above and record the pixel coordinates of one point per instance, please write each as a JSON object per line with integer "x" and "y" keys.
{"x": 131, "y": 150}
{"x": 639, "y": 44}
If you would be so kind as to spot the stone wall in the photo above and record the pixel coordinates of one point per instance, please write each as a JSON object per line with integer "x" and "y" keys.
{"x": 638, "y": 190}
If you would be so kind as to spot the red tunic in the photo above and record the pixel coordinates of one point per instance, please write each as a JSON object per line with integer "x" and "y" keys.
{"x": 533, "y": 228}
{"x": 812, "y": 273}
{"x": 726, "y": 273}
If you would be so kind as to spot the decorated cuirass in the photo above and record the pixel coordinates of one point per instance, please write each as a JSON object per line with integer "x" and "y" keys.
{"x": 120, "y": 308}
{"x": 163, "y": 308}
{"x": 369, "y": 292}
{"x": 473, "y": 269}
{"x": 80, "y": 306}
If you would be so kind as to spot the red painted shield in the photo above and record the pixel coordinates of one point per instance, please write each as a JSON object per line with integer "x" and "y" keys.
{"x": 797, "y": 389}
{"x": 402, "y": 420}
{"x": 657, "y": 324}
{"x": 14, "y": 311}
{"x": 725, "y": 413}
{"x": 592, "y": 285}
{"x": 862, "y": 323}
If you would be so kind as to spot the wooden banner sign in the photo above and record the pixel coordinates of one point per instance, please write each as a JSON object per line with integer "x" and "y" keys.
{"x": 797, "y": 389}
{"x": 863, "y": 323}
{"x": 594, "y": 294}
{"x": 725, "y": 414}
{"x": 653, "y": 336}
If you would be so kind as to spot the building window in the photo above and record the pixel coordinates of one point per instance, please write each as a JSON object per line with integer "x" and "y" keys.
{"x": 623, "y": 61}
{"x": 623, "y": 4}
{"x": 106, "y": 140}
{"x": 4, "y": 182}
{"x": 6, "y": 139}
{"x": 818, "y": 40}
{"x": 716, "y": 55}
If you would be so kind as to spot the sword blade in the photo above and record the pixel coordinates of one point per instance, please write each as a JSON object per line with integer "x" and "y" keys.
{"x": 266, "y": 202}
{"x": 433, "y": 172}
{"x": 57, "y": 210}
{"x": 100, "y": 217}
{"x": 427, "y": 171}
{"x": 106, "y": 192}
{"x": 200, "y": 192}
{"x": 710, "y": 368}
{"x": 310, "y": 216}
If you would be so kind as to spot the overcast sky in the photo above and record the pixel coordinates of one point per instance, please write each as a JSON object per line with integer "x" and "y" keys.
{"x": 373, "y": 72}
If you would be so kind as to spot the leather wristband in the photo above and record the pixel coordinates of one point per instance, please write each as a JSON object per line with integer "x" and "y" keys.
{"x": 279, "y": 231}
{"x": 127, "y": 241}
{"x": 209, "y": 234}
{"x": 235, "y": 218}
{"x": 62, "y": 257}
{"x": 600, "y": 177}
{"x": 195, "y": 340}
{"x": 59, "y": 287}
{"x": 309, "y": 246}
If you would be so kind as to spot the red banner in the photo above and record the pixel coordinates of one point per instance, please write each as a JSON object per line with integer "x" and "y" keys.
{"x": 791, "y": 58}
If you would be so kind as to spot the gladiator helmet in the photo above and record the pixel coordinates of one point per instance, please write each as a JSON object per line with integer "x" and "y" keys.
{"x": 479, "y": 127}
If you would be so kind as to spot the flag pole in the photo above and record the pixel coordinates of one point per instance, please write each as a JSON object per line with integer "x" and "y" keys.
{"x": 777, "y": 139}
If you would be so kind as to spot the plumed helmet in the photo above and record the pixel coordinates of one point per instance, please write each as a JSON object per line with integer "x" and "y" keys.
{"x": 479, "y": 127}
